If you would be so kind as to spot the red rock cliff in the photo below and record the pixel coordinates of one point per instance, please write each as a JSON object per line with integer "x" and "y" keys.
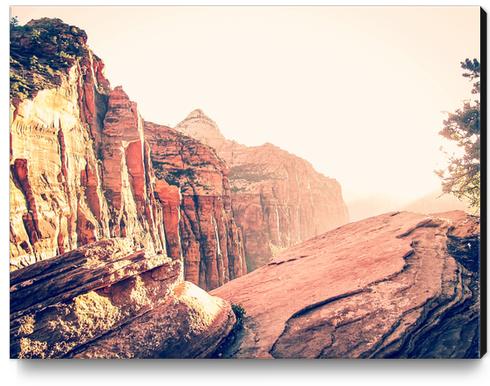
{"x": 192, "y": 183}
{"x": 278, "y": 198}
{"x": 79, "y": 165}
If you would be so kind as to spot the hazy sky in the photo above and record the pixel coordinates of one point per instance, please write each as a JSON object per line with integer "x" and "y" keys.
{"x": 360, "y": 92}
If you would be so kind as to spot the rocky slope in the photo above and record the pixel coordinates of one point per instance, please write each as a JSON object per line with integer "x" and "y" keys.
{"x": 400, "y": 285}
{"x": 278, "y": 199}
{"x": 109, "y": 300}
{"x": 82, "y": 171}
{"x": 193, "y": 185}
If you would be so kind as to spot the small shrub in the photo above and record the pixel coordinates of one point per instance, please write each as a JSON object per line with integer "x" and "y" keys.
{"x": 233, "y": 337}
{"x": 239, "y": 312}
{"x": 100, "y": 153}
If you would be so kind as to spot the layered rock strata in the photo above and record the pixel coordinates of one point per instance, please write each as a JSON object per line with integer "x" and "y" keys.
{"x": 109, "y": 300}
{"x": 278, "y": 199}
{"x": 193, "y": 185}
{"x": 81, "y": 166}
{"x": 400, "y": 285}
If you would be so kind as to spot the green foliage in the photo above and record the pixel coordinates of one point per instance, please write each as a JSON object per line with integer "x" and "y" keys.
{"x": 41, "y": 53}
{"x": 240, "y": 314}
{"x": 462, "y": 176}
{"x": 100, "y": 153}
{"x": 188, "y": 173}
{"x": 250, "y": 173}
{"x": 14, "y": 22}
{"x": 232, "y": 339}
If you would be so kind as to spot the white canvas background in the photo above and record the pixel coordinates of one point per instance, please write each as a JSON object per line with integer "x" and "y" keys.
{"x": 205, "y": 372}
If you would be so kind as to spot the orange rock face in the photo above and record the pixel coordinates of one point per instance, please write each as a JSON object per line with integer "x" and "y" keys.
{"x": 278, "y": 199}
{"x": 127, "y": 176}
{"x": 192, "y": 182}
{"x": 79, "y": 168}
{"x": 399, "y": 285}
{"x": 56, "y": 198}
{"x": 82, "y": 170}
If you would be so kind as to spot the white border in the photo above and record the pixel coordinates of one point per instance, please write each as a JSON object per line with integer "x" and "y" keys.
{"x": 233, "y": 372}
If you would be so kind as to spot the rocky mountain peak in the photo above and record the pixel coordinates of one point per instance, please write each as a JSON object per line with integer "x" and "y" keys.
{"x": 197, "y": 114}
{"x": 199, "y": 126}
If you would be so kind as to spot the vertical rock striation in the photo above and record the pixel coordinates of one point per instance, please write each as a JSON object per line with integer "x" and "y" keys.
{"x": 278, "y": 198}
{"x": 128, "y": 181}
{"x": 79, "y": 166}
{"x": 192, "y": 183}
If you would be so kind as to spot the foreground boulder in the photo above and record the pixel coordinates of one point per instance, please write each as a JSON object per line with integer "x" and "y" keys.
{"x": 110, "y": 300}
{"x": 399, "y": 285}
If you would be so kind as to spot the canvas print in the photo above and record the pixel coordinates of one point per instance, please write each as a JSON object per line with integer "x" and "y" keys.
{"x": 247, "y": 182}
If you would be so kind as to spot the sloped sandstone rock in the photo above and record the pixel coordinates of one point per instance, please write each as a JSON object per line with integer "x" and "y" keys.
{"x": 398, "y": 285}
{"x": 190, "y": 324}
{"x": 107, "y": 300}
{"x": 278, "y": 199}
{"x": 90, "y": 267}
{"x": 193, "y": 185}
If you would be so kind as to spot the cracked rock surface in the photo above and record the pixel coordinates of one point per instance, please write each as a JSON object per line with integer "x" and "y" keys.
{"x": 399, "y": 285}
{"x": 108, "y": 300}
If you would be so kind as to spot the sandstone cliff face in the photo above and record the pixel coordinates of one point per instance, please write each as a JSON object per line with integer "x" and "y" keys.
{"x": 192, "y": 183}
{"x": 128, "y": 181}
{"x": 51, "y": 151}
{"x": 81, "y": 167}
{"x": 79, "y": 164}
{"x": 83, "y": 189}
{"x": 278, "y": 199}
{"x": 400, "y": 285}
{"x": 110, "y": 300}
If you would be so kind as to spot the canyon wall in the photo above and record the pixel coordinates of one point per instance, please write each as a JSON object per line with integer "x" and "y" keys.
{"x": 192, "y": 183}
{"x": 278, "y": 198}
{"x": 81, "y": 166}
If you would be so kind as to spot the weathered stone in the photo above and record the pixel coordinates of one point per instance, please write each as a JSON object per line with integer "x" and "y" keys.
{"x": 278, "y": 199}
{"x": 390, "y": 286}
{"x": 193, "y": 185}
{"x": 99, "y": 302}
{"x": 90, "y": 267}
{"x": 190, "y": 324}
{"x": 74, "y": 318}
